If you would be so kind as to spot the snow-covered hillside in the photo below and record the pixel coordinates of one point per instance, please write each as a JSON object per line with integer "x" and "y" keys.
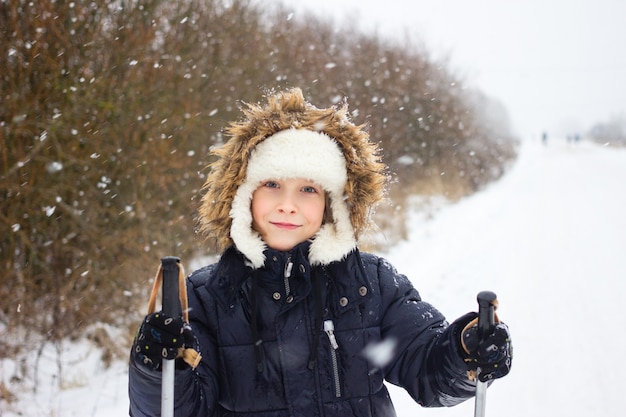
{"x": 549, "y": 239}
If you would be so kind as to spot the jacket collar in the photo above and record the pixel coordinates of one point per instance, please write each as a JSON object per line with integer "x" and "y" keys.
{"x": 230, "y": 274}
{"x": 351, "y": 283}
{"x": 234, "y": 269}
{"x": 348, "y": 277}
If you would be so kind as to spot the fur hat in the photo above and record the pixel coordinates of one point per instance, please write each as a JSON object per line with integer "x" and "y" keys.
{"x": 290, "y": 138}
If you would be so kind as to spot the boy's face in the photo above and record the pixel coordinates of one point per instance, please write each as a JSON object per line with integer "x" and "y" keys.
{"x": 288, "y": 211}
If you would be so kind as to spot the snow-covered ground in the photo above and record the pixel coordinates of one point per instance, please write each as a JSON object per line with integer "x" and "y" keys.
{"x": 549, "y": 238}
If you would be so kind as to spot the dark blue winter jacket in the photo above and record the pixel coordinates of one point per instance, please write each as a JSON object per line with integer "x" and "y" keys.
{"x": 298, "y": 366}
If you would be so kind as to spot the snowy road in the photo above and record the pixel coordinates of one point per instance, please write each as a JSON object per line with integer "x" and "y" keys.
{"x": 550, "y": 240}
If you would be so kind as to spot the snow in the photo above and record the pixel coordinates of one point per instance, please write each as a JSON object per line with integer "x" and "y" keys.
{"x": 548, "y": 238}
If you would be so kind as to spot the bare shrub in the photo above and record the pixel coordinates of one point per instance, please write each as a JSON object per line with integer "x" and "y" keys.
{"x": 108, "y": 111}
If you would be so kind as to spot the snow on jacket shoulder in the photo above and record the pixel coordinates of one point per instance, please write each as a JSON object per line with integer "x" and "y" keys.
{"x": 382, "y": 330}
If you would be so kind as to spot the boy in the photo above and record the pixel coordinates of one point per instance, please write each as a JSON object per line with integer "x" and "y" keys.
{"x": 285, "y": 319}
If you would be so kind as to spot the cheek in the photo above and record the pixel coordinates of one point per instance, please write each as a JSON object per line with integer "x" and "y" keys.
{"x": 316, "y": 212}
{"x": 258, "y": 207}
{"x": 255, "y": 214}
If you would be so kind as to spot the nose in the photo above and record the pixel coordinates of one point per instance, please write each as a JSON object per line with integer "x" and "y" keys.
{"x": 286, "y": 208}
{"x": 287, "y": 204}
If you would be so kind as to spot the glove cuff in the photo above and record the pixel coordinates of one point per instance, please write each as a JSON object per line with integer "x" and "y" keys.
{"x": 469, "y": 325}
{"x": 458, "y": 328}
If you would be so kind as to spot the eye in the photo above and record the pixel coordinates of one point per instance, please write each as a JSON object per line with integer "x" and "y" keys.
{"x": 309, "y": 189}
{"x": 271, "y": 184}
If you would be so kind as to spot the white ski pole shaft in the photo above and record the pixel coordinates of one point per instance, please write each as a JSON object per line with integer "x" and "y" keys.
{"x": 481, "y": 399}
{"x": 172, "y": 308}
{"x": 486, "y": 307}
{"x": 167, "y": 388}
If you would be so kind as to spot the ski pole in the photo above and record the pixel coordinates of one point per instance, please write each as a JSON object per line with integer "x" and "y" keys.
{"x": 171, "y": 307}
{"x": 487, "y": 301}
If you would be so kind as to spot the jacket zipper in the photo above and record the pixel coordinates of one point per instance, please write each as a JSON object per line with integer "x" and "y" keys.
{"x": 329, "y": 328}
{"x": 286, "y": 275}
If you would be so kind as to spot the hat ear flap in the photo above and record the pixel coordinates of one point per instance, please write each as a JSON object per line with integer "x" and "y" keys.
{"x": 247, "y": 240}
{"x": 335, "y": 239}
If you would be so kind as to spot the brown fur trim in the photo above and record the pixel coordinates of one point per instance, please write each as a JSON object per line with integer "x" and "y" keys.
{"x": 366, "y": 173}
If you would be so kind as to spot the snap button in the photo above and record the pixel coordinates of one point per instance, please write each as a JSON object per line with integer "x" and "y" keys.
{"x": 276, "y": 296}
{"x": 302, "y": 269}
{"x": 289, "y": 299}
{"x": 363, "y": 291}
{"x": 343, "y": 301}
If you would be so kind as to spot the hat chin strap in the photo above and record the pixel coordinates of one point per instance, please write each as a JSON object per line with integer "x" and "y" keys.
{"x": 331, "y": 243}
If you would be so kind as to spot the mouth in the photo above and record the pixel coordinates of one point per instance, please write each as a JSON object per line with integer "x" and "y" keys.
{"x": 285, "y": 226}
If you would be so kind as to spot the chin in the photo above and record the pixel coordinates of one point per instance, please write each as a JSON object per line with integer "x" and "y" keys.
{"x": 283, "y": 247}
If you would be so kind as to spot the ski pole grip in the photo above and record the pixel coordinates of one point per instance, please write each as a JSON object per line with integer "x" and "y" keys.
{"x": 487, "y": 302}
{"x": 170, "y": 296}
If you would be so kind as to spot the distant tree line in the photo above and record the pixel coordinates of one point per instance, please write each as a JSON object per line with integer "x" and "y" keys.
{"x": 108, "y": 111}
{"x": 611, "y": 132}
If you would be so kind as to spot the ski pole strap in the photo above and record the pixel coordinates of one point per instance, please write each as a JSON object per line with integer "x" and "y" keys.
{"x": 189, "y": 355}
{"x": 182, "y": 290}
{"x": 485, "y": 322}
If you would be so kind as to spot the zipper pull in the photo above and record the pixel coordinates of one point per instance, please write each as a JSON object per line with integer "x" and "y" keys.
{"x": 288, "y": 267}
{"x": 287, "y": 274}
{"x": 329, "y": 328}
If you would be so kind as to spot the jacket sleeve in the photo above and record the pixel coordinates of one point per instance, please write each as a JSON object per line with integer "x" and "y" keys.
{"x": 428, "y": 362}
{"x": 195, "y": 391}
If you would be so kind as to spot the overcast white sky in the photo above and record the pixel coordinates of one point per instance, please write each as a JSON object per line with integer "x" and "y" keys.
{"x": 557, "y": 65}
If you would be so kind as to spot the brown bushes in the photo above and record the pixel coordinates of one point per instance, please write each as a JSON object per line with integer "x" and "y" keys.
{"x": 108, "y": 110}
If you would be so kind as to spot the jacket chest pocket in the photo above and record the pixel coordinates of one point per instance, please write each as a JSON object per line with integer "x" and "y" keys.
{"x": 344, "y": 364}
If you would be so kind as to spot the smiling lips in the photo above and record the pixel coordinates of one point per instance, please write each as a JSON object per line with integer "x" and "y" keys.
{"x": 285, "y": 226}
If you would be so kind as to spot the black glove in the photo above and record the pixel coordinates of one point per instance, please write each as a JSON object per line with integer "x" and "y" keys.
{"x": 162, "y": 337}
{"x": 493, "y": 355}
